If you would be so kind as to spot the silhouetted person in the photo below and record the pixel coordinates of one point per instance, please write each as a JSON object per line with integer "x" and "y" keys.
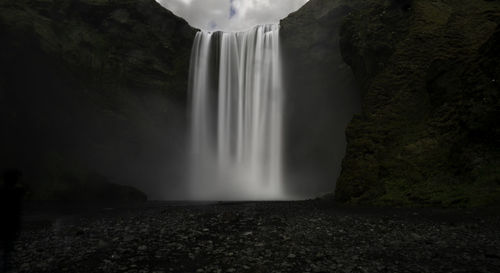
{"x": 11, "y": 197}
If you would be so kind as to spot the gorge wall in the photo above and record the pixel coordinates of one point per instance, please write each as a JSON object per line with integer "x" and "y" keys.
{"x": 428, "y": 77}
{"x": 321, "y": 96}
{"x": 89, "y": 88}
{"x": 93, "y": 91}
{"x": 429, "y": 130}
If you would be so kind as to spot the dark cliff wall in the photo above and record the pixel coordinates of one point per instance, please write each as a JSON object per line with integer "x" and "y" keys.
{"x": 100, "y": 86}
{"x": 93, "y": 86}
{"x": 428, "y": 77}
{"x": 429, "y": 130}
{"x": 321, "y": 96}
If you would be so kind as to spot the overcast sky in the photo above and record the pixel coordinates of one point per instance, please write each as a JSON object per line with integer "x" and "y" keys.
{"x": 231, "y": 15}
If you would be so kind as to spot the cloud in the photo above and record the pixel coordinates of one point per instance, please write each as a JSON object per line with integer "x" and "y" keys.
{"x": 232, "y": 9}
{"x": 231, "y": 15}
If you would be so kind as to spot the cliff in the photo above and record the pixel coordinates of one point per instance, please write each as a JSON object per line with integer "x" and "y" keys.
{"x": 95, "y": 86}
{"x": 429, "y": 130}
{"x": 321, "y": 96}
{"x": 427, "y": 73}
{"x": 92, "y": 86}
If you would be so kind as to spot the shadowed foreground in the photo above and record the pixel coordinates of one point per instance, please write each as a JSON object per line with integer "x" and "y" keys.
{"x": 258, "y": 237}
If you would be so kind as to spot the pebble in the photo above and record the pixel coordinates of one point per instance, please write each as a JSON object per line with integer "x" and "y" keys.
{"x": 262, "y": 237}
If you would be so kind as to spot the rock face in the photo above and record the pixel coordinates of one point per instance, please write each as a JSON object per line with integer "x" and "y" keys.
{"x": 429, "y": 132}
{"x": 100, "y": 86}
{"x": 321, "y": 95}
{"x": 92, "y": 86}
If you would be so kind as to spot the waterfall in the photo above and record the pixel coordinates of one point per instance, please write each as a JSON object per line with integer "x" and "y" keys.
{"x": 237, "y": 115}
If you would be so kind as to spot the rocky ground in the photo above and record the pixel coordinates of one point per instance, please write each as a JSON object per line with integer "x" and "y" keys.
{"x": 259, "y": 237}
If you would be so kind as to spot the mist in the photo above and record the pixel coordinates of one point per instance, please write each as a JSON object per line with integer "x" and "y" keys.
{"x": 136, "y": 138}
{"x": 249, "y": 136}
{"x": 135, "y": 133}
{"x": 79, "y": 116}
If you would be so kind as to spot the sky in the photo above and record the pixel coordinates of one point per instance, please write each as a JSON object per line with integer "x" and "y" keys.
{"x": 231, "y": 15}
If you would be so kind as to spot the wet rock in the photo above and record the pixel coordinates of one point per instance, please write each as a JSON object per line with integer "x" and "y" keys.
{"x": 369, "y": 243}
{"x": 102, "y": 244}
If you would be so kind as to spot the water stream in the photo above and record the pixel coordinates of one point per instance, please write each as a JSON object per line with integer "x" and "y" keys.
{"x": 237, "y": 115}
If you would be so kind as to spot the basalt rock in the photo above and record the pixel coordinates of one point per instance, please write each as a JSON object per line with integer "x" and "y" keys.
{"x": 321, "y": 95}
{"x": 429, "y": 131}
{"x": 92, "y": 86}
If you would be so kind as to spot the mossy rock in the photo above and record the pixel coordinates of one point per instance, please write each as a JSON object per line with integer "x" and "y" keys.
{"x": 90, "y": 81}
{"x": 428, "y": 135}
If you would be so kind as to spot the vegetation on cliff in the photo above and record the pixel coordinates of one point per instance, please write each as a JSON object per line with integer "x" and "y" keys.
{"x": 96, "y": 86}
{"x": 429, "y": 132}
{"x": 90, "y": 86}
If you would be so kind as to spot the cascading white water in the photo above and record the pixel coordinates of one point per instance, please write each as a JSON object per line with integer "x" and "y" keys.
{"x": 237, "y": 115}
